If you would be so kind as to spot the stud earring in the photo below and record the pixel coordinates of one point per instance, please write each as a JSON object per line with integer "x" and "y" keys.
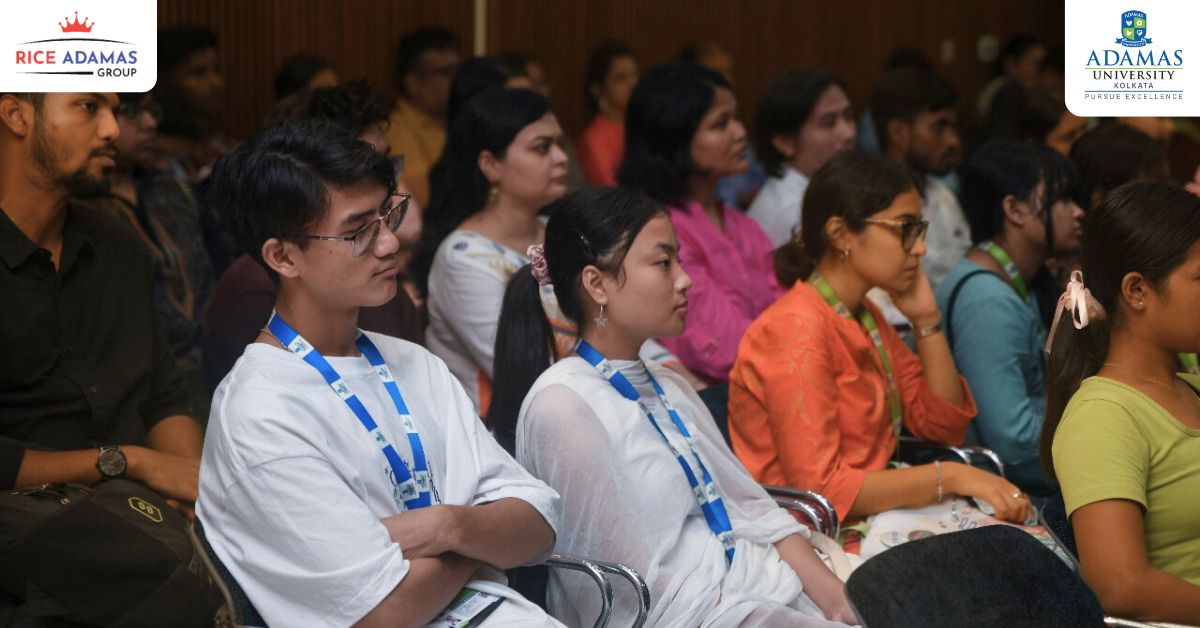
{"x": 601, "y": 320}
{"x": 844, "y": 255}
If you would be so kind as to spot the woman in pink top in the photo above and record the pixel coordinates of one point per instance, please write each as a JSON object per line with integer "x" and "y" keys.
{"x": 612, "y": 71}
{"x": 683, "y": 134}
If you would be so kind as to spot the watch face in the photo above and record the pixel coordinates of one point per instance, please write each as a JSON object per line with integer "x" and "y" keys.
{"x": 111, "y": 462}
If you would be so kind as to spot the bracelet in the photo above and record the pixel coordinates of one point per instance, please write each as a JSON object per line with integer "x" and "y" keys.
{"x": 929, "y": 330}
{"x": 937, "y": 471}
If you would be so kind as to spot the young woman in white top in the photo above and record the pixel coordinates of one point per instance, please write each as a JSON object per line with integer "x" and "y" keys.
{"x": 645, "y": 476}
{"x": 503, "y": 165}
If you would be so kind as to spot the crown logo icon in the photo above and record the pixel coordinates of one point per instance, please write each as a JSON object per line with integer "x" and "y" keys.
{"x": 76, "y": 26}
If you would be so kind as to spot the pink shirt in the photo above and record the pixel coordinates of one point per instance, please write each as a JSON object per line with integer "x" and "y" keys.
{"x": 733, "y": 281}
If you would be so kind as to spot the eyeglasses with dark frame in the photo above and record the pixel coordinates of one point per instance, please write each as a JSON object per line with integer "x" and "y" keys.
{"x": 910, "y": 230}
{"x": 363, "y": 238}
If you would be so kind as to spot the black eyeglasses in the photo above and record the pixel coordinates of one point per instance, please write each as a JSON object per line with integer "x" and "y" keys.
{"x": 910, "y": 230}
{"x": 391, "y": 213}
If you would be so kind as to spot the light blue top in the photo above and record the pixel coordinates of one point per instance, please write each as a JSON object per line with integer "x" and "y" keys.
{"x": 998, "y": 347}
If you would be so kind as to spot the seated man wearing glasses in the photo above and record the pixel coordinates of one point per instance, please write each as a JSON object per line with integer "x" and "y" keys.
{"x": 244, "y": 295}
{"x": 346, "y": 478}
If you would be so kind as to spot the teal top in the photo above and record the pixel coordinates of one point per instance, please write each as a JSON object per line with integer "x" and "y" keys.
{"x": 998, "y": 345}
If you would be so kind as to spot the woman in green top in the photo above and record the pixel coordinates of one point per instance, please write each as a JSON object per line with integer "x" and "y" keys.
{"x": 1122, "y": 428}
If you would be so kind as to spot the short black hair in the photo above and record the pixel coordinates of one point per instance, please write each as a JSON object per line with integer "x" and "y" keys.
{"x": 1112, "y": 155}
{"x": 177, "y": 43}
{"x": 903, "y": 93}
{"x": 296, "y": 71}
{"x": 664, "y": 112}
{"x": 1008, "y": 167}
{"x": 784, "y": 108}
{"x": 354, "y": 106}
{"x": 417, "y": 43}
{"x": 1015, "y": 47}
{"x": 277, "y": 185}
{"x": 515, "y": 63}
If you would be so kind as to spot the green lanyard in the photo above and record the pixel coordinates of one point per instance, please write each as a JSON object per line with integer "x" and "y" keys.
{"x": 868, "y": 322}
{"x": 1005, "y": 262}
{"x": 1190, "y": 363}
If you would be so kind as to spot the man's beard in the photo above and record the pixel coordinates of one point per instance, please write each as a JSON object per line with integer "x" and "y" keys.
{"x": 77, "y": 184}
{"x": 924, "y": 165}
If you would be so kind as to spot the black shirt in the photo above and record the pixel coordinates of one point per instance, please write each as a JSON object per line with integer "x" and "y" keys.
{"x": 83, "y": 358}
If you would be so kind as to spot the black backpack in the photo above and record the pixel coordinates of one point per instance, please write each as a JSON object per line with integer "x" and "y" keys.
{"x": 113, "y": 554}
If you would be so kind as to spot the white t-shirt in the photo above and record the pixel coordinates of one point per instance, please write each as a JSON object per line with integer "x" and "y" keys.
{"x": 778, "y": 205}
{"x": 292, "y": 488}
{"x": 466, "y": 289}
{"x": 949, "y": 236}
{"x": 627, "y": 500}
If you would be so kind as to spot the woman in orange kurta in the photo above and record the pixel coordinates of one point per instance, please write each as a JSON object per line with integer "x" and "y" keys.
{"x": 811, "y": 404}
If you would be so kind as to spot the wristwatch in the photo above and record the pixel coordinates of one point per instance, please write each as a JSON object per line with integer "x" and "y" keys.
{"x": 111, "y": 462}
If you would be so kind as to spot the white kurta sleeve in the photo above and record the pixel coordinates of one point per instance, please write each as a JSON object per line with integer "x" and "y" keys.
{"x": 561, "y": 440}
{"x": 754, "y": 514}
{"x": 499, "y": 474}
{"x": 469, "y": 295}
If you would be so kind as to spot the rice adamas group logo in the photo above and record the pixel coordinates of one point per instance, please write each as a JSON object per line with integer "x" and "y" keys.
{"x": 93, "y": 46}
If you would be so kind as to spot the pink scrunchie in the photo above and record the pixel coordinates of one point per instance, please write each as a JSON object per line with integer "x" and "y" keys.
{"x": 537, "y": 264}
{"x": 1079, "y": 301}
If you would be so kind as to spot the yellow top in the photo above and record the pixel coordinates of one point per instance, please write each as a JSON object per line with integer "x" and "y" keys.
{"x": 1116, "y": 443}
{"x": 420, "y": 139}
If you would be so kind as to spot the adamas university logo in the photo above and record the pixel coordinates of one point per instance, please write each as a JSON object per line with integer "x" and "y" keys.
{"x": 1133, "y": 30}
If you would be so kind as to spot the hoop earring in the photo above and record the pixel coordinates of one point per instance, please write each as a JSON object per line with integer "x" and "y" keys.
{"x": 601, "y": 320}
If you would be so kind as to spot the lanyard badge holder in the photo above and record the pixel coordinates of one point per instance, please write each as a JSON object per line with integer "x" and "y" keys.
{"x": 1010, "y": 268}
{"x": 703, "y": 486}
{"x": 411, "y": 490}
{"x": 895, "y": 406}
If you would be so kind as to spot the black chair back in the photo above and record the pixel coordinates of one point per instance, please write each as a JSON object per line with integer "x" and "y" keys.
{"x": 247, "y": 614}
{"x": 1054, "y": 517}
{"x": 990, "y": 577}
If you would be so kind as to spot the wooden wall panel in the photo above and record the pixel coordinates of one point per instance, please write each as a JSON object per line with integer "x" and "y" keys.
{"x": 359, "y": 36}
{"x": 852, "y": 37}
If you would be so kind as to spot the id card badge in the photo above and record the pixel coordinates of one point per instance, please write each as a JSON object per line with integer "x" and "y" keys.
{"x": 469, "y": 608}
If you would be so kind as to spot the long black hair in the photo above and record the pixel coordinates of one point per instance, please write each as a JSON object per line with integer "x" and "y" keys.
{"x": 664, "y": 112}
{"x": 590, "y": 227}
{"x": 1142, "y": 227}
{"x": 853, "y": 186}
{"x": 489, "y": 120}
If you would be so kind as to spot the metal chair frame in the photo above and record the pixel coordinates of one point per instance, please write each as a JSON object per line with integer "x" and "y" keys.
{"x": 229, "y": 615}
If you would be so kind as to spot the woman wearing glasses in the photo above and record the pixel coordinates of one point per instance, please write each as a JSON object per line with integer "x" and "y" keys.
{"x": 823, "y": 384}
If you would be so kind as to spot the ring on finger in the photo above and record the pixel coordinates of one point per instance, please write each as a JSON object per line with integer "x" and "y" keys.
{"x": 1016, "y": 495}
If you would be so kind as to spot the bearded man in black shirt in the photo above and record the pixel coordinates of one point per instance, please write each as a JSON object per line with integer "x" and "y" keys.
{"x": 89, "y": 389}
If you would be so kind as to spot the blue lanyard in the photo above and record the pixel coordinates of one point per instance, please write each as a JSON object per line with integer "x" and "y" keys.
{"x": 706, "y": 495}
{"x": 408, "y": 491}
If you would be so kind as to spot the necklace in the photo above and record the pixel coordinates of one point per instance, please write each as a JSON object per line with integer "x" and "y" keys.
{"x": 1140, "y": 376}
{"x": 1193, "y": 399}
